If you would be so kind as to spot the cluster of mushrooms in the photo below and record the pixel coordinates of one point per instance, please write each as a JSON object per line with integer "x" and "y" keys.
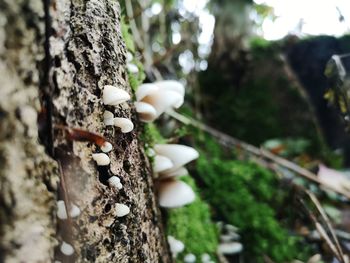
{"x": 152, "y": 100}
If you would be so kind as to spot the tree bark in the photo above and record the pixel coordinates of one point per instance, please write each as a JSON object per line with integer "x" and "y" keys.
{"x": 65, "y": 52}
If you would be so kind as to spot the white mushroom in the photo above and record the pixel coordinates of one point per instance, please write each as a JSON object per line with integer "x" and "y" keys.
{"x": 74, "y": 211}
{"x": 115, "y": 182}
{"x": 121, "y": 210}
{"x": 67, "y": 249}
{"x": 205, "y": 258}
{"x": 114, "y": 96}
{"x": 181, "y": 171}
{"x": 108, "y": 118}
{"x": 129, "y": 57}
{"x": 176, "y": 246}
{"x": 190, "y": 258}
{"x": 174, "y": 86}
{"x": 161, "y": 97}
{"x": 106, "y": 147}
{"x": 161, "y": 163}
{"x": 101, "y": 159}
{"x": 132, "y": 68}
{"x": 147, "y": 112}
{"x": 177, "y": 153}
{"x": 174, "y": 193}
{"x": 124, "y": 124}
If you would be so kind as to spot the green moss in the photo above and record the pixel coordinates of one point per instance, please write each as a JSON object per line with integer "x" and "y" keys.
{"x": 247, "y": 196}
{"x": 193, "y": 226}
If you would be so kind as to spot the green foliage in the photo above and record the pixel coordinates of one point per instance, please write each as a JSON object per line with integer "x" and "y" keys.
{"x": 192, "y": 225}
{"x": 247, "y": 196}
{"x": 129, "y": 41}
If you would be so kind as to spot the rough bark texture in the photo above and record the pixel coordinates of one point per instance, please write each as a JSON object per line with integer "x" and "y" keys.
{"x": 86, "y": 52}
{"x": 27, "y": 174}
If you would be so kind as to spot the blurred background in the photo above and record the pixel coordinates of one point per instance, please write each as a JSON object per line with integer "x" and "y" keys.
{"x": 267, "y": 106}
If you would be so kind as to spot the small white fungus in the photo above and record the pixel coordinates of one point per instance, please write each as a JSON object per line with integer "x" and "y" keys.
{"x": 106, "y": 147}
{"x": 101, "y": 159}
{"x": 124, "y": 124}
{"x": 190, "y": 258}
{"x": 74, "y": 211}
{"x": 67, "y": 249}
{"x": 176, "y": 246}
{"x": 132, "y": 68}
{"x": 121, "y": 210}
{"x": 115, "y": 182}
{"x": 108, "y": 118}
{"x": 113, "y": 96}
{"x": 205, "y": 258}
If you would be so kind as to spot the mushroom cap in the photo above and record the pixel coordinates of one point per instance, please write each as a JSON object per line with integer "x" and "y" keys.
{"x": 101, "y": 159}
{"x": 67, "y": 249}
{"x": 132, "y": 68}
{"x": 174, "y": 193}
{"x": 124, "y": 124}
{"x": 173, "y": 85}
{"x": 74, "y": 211}
{"x": 108, "y": 118}
{"x": 176, "y": 246}
{"x": 121, "y": 210}
{"x": 114, "y": 96}
{"x": 61, "y": 210}
{"x": 106, "y": 147}
{"x": 177, "y": 153}
{"x": 145, "y": 89}
{"x": 162, "y": 163}
{"x": 189, "y": 258}
{"x": 147, "y": 112}
{"x": 181, "y": 171}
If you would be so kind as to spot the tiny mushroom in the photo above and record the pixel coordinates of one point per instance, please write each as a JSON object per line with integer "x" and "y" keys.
{"x": 160, "y": 96}
{"x": 189, "y": 258}
{"x": 67, "y": 249}
{"x": 114, "y": 96}
{"x": 106, "y": 147}
{"x": 124, "y": 124}
{"x": 108, "y": 118}
{"x": 162, "y": 163}
{"x": 179, "y": 155}
{"x": 174, "y": 193}
{"x": 176, "y": 246}
{"x": 147, "y": 112}
{"x": 114, "y": 181}
{"x": 121, "y": 210}
{"x": 132, "y": 68}
{"x": 101, "y": 159}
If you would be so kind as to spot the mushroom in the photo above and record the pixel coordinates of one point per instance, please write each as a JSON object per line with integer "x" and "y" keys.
{"x": 101, "y": 159}
{"x": 176, "y": 246}
{"x": 115, "y": 182}
{"x": 114, "y": 96}
{"x": 189, "y": 258}
{"x": 67, "y": 249}
{"x": 181, "y": 171}
{"x": 108, "y": 118}
{"x": 124, "y": 124}
{"x": 160, "y": 96}
{"x": 106, "y": 147}
{"x": 178, "y": 154}
{"x": 147, "y": 112}
{"x": 132, "y": 68}
{"x": 121, "y": 210}
{"x": 162, "y": 163}
{"x": 174, "y": 193}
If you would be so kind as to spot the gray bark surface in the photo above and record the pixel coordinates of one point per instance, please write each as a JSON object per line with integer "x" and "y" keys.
{"x": 85, "y": 52}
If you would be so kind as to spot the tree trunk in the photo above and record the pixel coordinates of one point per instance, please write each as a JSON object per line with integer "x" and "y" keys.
{"x": 64, "y": 52}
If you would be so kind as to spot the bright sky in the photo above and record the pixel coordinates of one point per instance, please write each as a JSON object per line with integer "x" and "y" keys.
{"x": 317, "y": 17}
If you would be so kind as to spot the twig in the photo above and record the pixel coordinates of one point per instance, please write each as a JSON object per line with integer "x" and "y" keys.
{"x": 230, "y": 141}
{"x": 327, "y": 221}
